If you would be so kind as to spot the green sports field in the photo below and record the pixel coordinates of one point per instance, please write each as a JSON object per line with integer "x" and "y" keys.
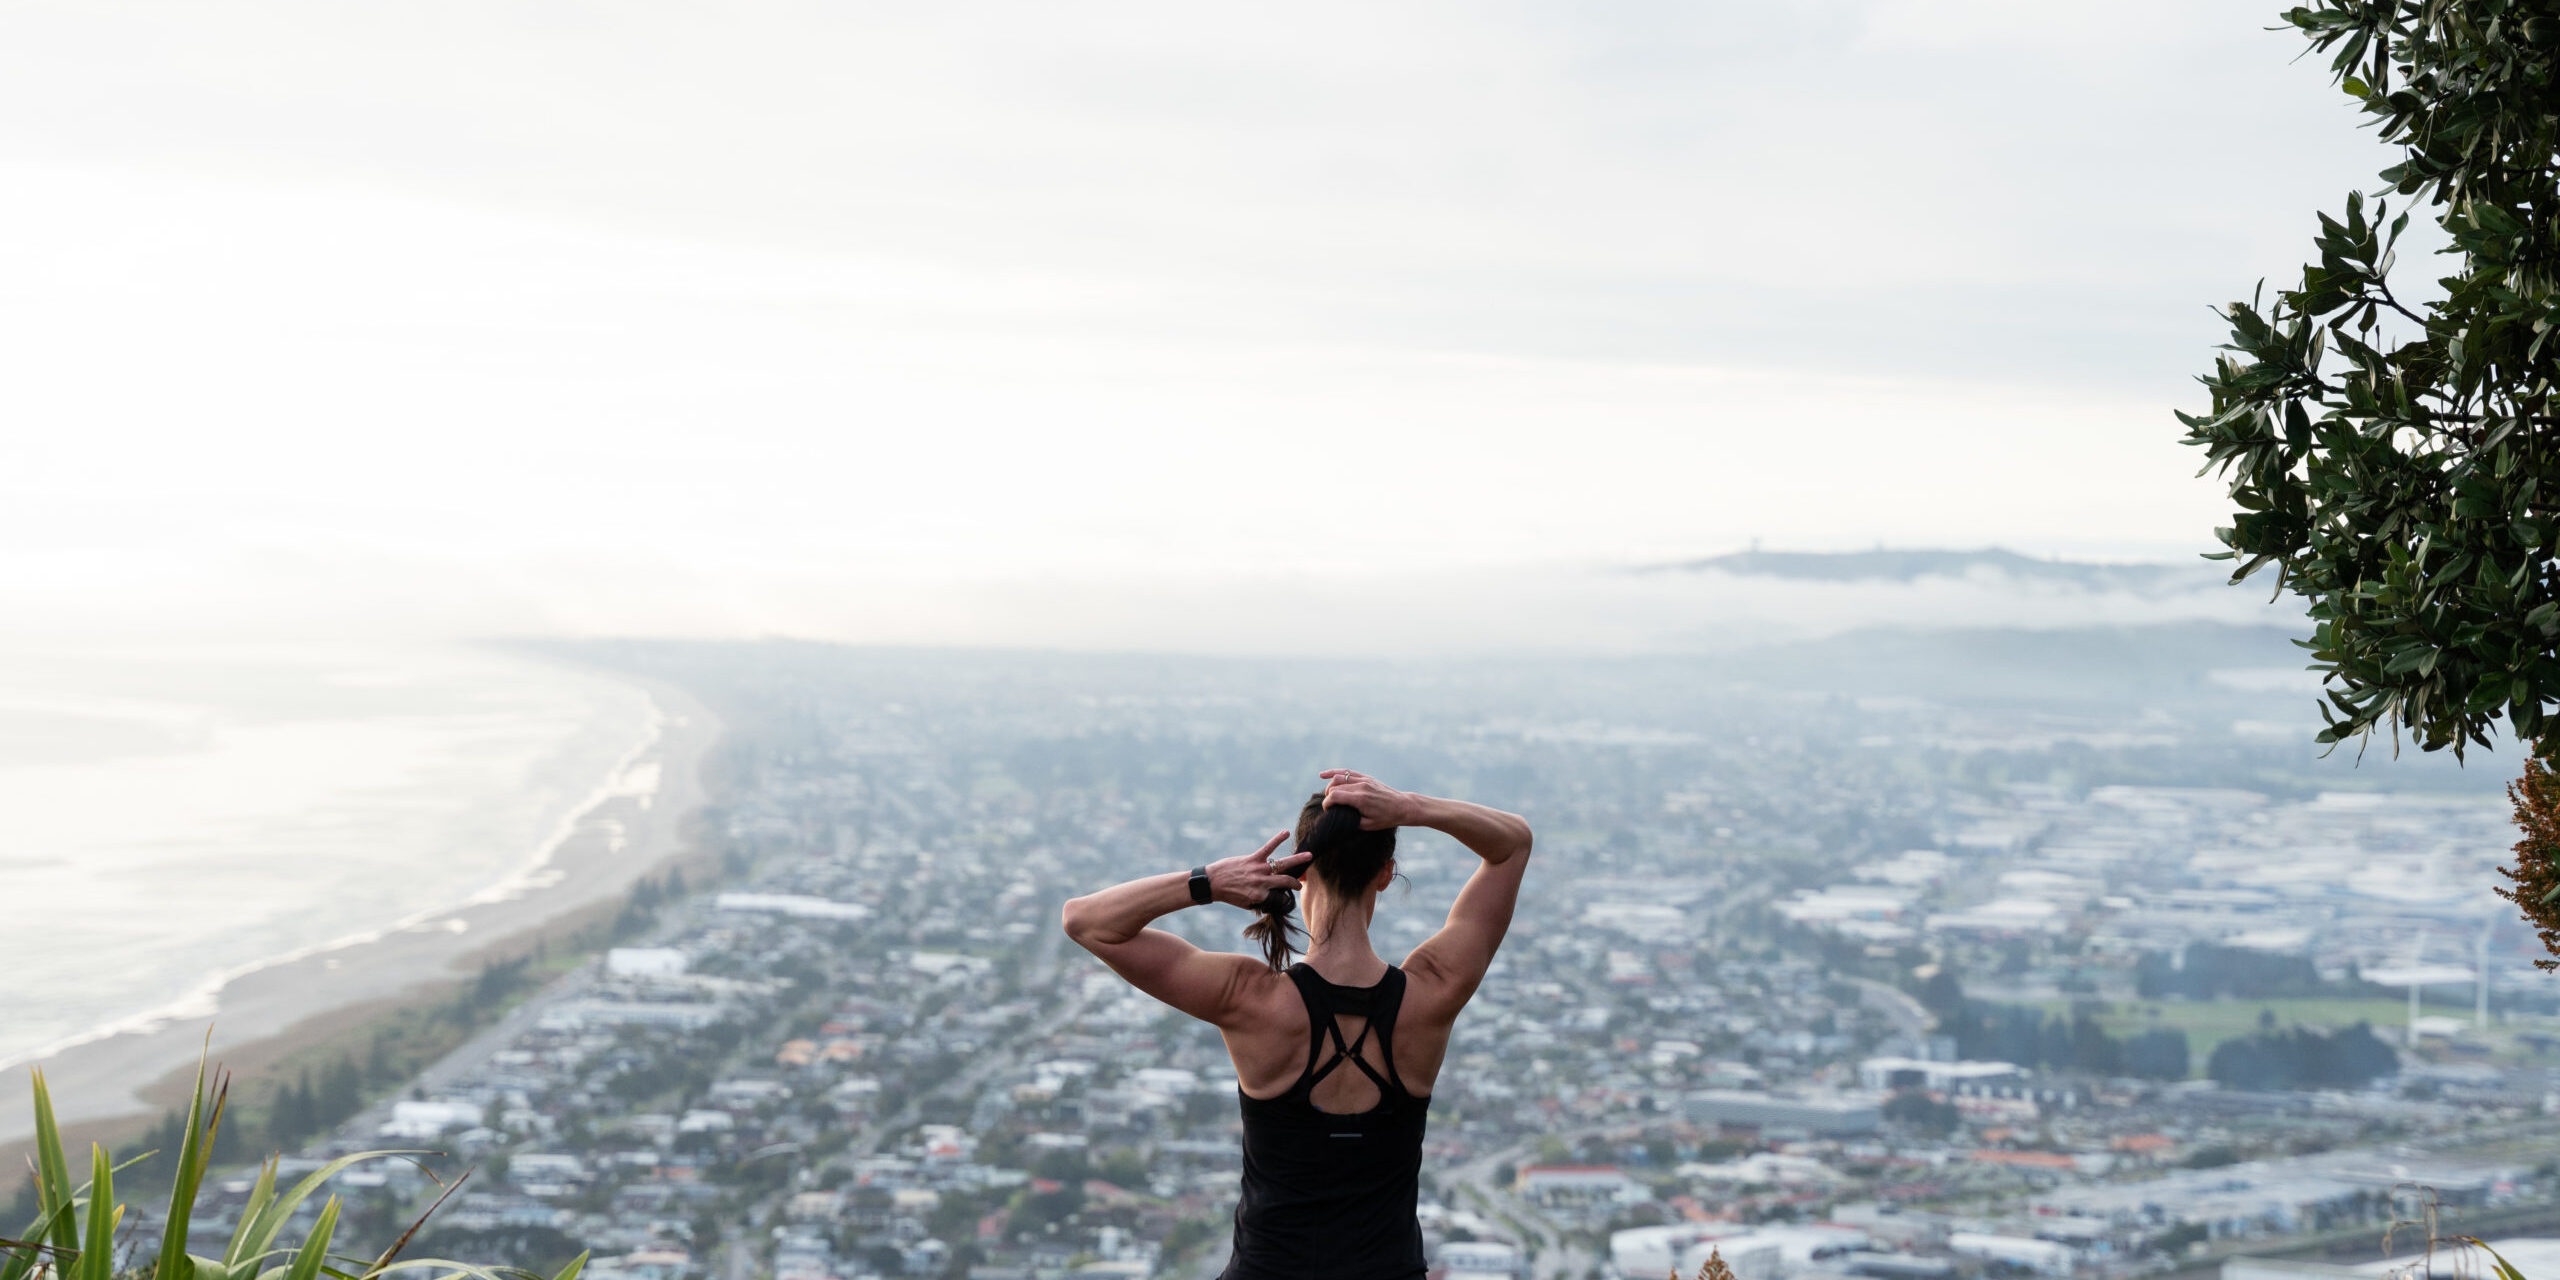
{"x": 2210, "y": 1022}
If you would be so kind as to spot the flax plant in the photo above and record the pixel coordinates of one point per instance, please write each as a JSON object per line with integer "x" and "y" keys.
{"x": 73, "y": 1236}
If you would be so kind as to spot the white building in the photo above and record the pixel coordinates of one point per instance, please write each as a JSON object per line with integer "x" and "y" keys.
{"x": 1766, "y": 1168}
{"x": 582, "y": 1015}
{"x": 1579, "y": 1184}
{"x": 1173, "y": 1080}
{"x": 2045, "y": 1257}
{"x": 1881, "y": 1074}
{"x": 644, "y": 962}
{"x": 1481, "y": 1260}
{"x": 702, "y": 1121}
{"x": 545, "y": 1166}
{"x": 798, "y": 905}
{"x": 425, "y": 1121}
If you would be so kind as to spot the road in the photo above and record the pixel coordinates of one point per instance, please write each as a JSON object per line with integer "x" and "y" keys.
{"x": 1560, "y": 1256}
{"x": 1041, "y": 976}
{"x": 1908, "y": 1015}
{"x": 473, "y": 1053}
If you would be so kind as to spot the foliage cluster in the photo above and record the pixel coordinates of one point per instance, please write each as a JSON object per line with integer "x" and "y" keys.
{"x": 2013, "y": 1033}
{"x": 2209, "y": 971}
{"x": 2534, "y": 881}
{"x": 2400, "y": 469}
{"x": 2302, "y": 1058}
{"x": 74, "y": 1233}
{"x": 640, "y": 910}
{"x": 1916, "y": 1109}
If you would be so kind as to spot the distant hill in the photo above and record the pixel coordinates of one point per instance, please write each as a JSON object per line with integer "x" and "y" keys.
{"x": 2159, "y": 665}
{"x": 1912, "y": 566}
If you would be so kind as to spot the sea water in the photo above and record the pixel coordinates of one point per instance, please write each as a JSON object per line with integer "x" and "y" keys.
{"x": 168, "y": 818}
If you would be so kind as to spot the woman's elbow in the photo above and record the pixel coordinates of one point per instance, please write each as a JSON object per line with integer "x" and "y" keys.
{"x": 1077, "y": 918}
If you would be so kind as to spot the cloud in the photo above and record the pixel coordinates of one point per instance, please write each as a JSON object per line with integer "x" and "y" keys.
{"x": 1989, "y": 186}
{"x": 796, "y": 293}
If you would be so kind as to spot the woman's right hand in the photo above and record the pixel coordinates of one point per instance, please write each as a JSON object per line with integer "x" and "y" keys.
{"x": 1247, "y": 879}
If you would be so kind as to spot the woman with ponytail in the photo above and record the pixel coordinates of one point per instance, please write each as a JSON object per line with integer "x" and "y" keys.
{"x": 1335, "y": 1055}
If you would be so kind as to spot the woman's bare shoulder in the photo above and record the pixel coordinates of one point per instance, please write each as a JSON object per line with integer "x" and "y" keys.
{"x": 1251, "y": 997}
{"x": 1268, "y": 1040}
{"x": 1435, "y": 992}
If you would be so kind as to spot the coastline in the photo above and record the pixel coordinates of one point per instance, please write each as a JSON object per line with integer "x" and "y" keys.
{"x": 629, "y": 826}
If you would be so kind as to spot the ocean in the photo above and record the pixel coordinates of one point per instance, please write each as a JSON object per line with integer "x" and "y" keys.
{"x": 174, "y": 818}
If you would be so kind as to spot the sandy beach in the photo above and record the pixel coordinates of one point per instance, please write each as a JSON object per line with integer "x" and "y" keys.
{"x": 633, "y": 824}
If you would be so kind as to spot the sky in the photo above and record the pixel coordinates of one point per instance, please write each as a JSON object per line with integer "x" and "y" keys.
{"x": 1029, "y": 322}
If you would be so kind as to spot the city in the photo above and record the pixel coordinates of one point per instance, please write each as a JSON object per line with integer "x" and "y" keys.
{"x": 1769, "y": 997}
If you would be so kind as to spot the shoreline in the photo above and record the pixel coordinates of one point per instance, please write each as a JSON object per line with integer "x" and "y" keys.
{"x": 114, "y": 1077}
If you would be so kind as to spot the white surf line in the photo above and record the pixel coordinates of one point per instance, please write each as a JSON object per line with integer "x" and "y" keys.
{"x": 204, "y": 999}
{"x": 617, "y": 784}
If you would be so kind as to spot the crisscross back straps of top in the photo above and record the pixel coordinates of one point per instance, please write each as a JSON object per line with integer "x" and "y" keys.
{"x": 1375, "y": 1006}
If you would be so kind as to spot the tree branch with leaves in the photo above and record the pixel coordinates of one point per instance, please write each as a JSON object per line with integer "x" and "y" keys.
{"x": 2398, "y": 467}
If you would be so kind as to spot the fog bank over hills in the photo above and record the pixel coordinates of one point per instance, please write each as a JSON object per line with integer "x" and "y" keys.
{"x": 2007, "y": 652}
{"x": 1991, "y": 565}
{"x": 1796, "y": 595}
{"x": 1719, "y": 605}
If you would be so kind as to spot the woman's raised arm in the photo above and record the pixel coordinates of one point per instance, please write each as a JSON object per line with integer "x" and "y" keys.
{"x": 1112, "y": 924}
{"x": 1450, "y": 963}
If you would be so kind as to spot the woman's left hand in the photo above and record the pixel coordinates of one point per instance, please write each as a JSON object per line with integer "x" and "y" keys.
{"x": 1380, "y": 805}
{"x": 1247, "y": 880}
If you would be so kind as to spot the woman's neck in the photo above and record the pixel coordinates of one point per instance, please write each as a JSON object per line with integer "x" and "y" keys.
{"x": 1338, "y": 943}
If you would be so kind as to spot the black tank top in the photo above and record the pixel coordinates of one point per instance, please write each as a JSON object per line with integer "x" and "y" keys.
{"x": 1331, "y": 1197}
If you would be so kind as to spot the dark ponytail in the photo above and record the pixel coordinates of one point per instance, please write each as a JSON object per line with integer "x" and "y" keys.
{"x": 1346, "y": 857}
{"x": 1275, "y": 927}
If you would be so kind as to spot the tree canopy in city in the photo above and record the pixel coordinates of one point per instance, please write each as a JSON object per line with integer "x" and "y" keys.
{"x": 2394, "y": 452}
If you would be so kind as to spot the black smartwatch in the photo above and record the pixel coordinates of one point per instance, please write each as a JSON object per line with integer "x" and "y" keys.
{"x": 1200, "y": 886}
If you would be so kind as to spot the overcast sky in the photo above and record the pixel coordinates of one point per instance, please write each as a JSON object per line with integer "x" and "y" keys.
{"x": 728, "y": 318}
